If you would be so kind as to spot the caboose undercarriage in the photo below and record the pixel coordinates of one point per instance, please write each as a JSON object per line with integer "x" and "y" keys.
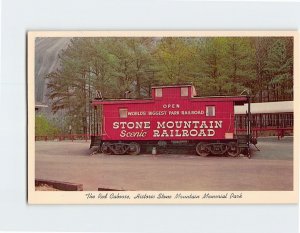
{"x": 231, "y": 148}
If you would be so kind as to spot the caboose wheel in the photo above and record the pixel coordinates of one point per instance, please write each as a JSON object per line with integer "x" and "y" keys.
{"x": 233, "y": 150}
{"x": 201, "y": 149}
{"x": 134, "y": 148}
{"x": 105, "y": 149}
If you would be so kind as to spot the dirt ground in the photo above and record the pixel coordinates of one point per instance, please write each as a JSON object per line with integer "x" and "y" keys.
{"x": 269, "y": 169}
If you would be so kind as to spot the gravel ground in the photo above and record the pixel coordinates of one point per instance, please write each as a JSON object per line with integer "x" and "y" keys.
{"x": 270, "y": 169}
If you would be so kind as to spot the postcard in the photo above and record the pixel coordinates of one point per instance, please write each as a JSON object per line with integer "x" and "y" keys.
{"x": 163, "y": 117}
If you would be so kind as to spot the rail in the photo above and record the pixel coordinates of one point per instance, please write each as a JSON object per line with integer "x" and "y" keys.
{"x": 280, "y": 131}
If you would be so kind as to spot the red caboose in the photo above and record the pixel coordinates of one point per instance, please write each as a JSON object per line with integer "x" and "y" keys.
{"x": 174, "y": 115}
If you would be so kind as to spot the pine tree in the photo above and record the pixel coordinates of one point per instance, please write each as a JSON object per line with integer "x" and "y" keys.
{"x": 279, "y": 70}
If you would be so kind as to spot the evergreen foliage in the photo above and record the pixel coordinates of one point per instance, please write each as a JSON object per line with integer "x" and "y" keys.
{"x": 215, "y": 65}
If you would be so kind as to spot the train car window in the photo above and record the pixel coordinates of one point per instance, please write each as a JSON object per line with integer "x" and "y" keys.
{"x": 184, "y": 91}
{"x": 210, "y": 110}
{"x": 123, "y": 112}
{"x": 158, "y": 92}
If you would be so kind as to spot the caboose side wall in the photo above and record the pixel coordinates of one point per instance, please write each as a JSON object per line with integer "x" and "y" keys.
{"x": 168, "y": 118}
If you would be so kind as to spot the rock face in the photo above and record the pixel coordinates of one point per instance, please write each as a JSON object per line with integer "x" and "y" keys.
{"x": 46, "y": 61}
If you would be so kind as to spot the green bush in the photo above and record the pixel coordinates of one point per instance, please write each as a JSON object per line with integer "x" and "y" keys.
{"x": 43, "y": 127}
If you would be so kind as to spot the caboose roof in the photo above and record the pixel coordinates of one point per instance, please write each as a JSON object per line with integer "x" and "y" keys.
{"x": 174, "y": 85}
{"x": 239, "y": 100}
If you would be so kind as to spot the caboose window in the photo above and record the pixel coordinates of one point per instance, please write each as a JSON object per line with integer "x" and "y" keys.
{"x": 210, "y": 110}
{"x": 158, "y": 92}
{"x": 123, "y": 112}
{"x": 184, "y": 91}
